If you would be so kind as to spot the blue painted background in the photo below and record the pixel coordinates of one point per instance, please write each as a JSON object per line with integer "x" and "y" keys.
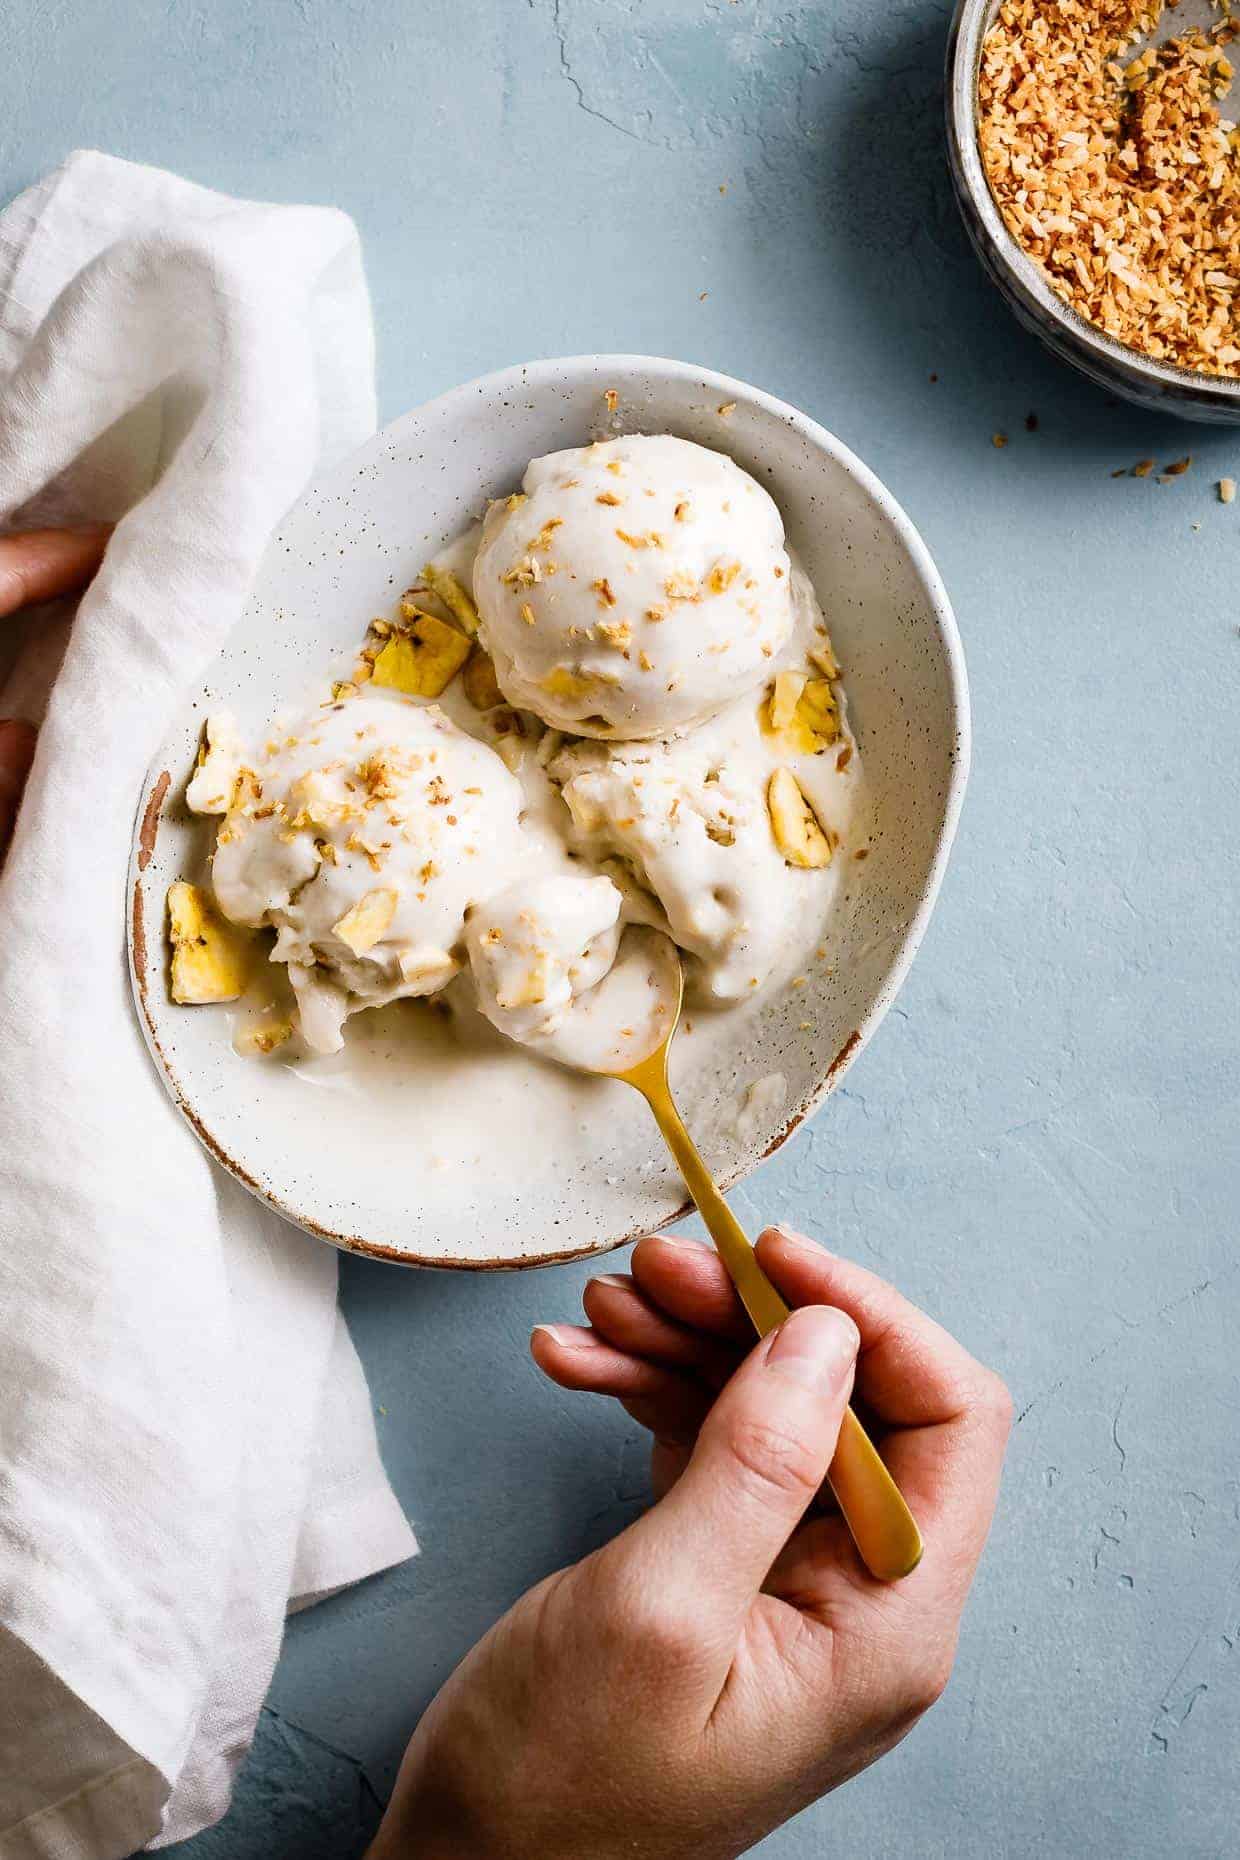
{"x": 1041, "y": 1146}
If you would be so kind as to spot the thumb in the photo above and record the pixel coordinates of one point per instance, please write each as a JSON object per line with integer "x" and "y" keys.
{"x": 761, "y": 1456}
{"x": 38, "y": 565}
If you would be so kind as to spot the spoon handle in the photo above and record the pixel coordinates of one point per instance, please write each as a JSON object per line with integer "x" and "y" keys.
{"x": 882, "y": 1526}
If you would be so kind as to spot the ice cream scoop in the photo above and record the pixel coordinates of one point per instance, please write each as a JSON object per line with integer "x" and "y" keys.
{"x": 363, "y": 835}
{"x": 537, "y": 946}
{"x": 633, "y": 587}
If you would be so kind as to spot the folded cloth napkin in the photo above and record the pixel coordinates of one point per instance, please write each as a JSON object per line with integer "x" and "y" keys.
{"x": 186, "y": 1443}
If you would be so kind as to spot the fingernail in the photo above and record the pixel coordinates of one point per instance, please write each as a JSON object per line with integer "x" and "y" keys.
{"x": 558, "y": 1333}
{"x": 610, "y": 1278}
{"x": 814, "y": 1346}
{"x": 681, "y": 1240}
{"x": 803, "y": 1241}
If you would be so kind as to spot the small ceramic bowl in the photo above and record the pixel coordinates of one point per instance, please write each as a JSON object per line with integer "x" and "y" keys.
{"x": 340, "y": 1146}
{"x": 1023, "y": 284}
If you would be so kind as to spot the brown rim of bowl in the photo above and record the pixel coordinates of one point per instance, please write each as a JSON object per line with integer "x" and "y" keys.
{"x": 1021, "y": 280}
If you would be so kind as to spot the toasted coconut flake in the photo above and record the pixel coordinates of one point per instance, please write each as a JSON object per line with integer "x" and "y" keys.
{"x": 616, "y": 633}
{"x": 681, "y": 586}
{"x": 721, "y": 576}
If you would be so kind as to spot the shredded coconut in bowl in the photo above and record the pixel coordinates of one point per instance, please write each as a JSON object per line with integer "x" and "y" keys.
{"x": 1117, "y": 174}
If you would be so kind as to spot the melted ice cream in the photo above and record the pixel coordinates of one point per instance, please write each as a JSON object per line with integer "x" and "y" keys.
{"x": 363, "y": 836}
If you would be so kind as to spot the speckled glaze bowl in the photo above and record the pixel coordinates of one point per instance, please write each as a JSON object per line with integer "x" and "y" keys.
{"x": 338, "y": 1151}
{"x": 1022, "y": 283}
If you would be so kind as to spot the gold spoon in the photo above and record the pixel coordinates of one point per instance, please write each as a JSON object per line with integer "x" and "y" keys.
{"x": 646, "y": 986}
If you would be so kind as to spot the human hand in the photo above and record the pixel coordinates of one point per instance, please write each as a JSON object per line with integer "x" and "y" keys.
{"x": 727, "y": 1659}
{"x": 37, "y": 565}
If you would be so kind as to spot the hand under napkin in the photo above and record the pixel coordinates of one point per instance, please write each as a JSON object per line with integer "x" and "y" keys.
{"x": 186, "y": 1442}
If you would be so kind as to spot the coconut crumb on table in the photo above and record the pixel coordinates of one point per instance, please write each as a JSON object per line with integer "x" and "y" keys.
{"x": 1118, "y": 176}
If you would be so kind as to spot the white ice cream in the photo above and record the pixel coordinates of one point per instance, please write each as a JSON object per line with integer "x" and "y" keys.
{"x": 634, "y": 589}
{"x": 637, "y": 591}
{"x": 364, "y": 835}
{"x": 535, "y": 947}
{"x": 627, "y": 1015}
{"x": 689, "y": 821}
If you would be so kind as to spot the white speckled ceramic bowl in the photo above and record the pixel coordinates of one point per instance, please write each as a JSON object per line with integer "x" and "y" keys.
{"x": 345, "y": 1163}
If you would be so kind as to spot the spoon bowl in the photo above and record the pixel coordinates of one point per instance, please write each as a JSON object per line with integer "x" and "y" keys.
{"x": 616, "y": 1026}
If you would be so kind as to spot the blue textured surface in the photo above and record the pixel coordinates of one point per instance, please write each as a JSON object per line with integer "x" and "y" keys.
{"x": 1041, "y": 1144}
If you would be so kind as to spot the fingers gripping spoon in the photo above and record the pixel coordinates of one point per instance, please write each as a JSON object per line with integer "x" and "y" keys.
{"x": 642, "y": 998}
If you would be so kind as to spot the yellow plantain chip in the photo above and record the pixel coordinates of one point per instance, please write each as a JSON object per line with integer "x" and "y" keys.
{"x": 423, "y": 662}
{"x": 211, "y": 958}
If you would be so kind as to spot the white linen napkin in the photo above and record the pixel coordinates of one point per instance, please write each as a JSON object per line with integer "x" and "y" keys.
{"x": 186, "y": 1442}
